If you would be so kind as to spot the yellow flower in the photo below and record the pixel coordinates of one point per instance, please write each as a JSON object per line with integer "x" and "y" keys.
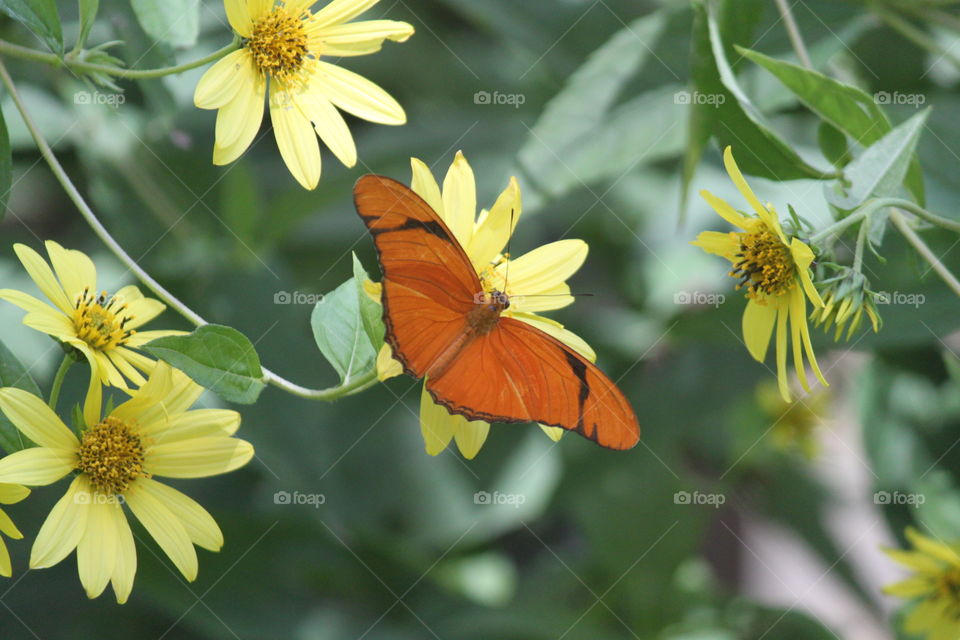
{"x": 775, "y": 270}
{"x": 846, "y": 297}
{"x": 534, "y": 282}
{"x": 101, "y": 326}
{"x": 935, "y": 583}
{"x": 283, "y": 43}
{"x": 794, "y": 424}
{"x": 9, "y": 494}
{"x": 115, "y": 459}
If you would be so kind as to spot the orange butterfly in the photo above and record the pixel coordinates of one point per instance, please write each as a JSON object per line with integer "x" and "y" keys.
{"x": 442, "y": 325}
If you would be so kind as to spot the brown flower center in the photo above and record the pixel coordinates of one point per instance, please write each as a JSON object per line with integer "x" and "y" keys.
{"x": 278, "y": 43}
{"x": 948, "y": 587}
{"x": 112, "y": 456}
{"x": 101, "y": 321}
{"x": 764, "y": 265}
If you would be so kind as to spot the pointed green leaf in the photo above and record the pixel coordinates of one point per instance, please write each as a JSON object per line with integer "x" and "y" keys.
{"x": 341, "y": 332}
{"x": 371, "y": 313}
{"x": 88, "y": 13}
{"x": 40, "y": 17}
{"x": 14, "y": 374}
{"x": 175, "y": 22}
{"x": 219, "y": 358}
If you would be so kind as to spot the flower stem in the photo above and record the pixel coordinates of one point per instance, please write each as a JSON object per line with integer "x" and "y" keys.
{"x": 900, "y": 222}
{"x": 81, "y": 67}
{"x": 329, "y": 394}
{"x": 65, "y": 365}
{"x": 796, "y": 40}
{"x": 870, "y": 206}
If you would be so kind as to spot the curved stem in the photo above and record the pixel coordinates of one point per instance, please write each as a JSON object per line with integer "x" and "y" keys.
{"x": 65, "y": 365}
{"x": 900, "y": 222}
{"x": 17, "y": 51}
{"x": 796, "y": 40}
{"x": 920, "y": 212}
{"x": 331, "y": 393}
{"x": 870, "y": 206}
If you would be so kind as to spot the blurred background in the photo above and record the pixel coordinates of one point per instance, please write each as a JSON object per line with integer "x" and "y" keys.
{"x": 735, "y": 517}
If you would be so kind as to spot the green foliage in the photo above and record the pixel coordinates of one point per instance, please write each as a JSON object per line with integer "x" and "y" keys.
{"x": 13, "y": 374}
{"x": 219, "y": 358}
{"x": 40, "y": 16}
{"x": 174, "y": 22}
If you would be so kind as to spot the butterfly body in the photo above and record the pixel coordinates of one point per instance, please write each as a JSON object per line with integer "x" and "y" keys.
{"x": 444, "y": 326}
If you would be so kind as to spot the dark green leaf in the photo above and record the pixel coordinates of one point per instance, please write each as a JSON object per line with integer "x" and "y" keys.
{"x": 833, "y": 144}
{"x": 40, "y": 16}
{"x": 14, "y": 374}
{"x": 6, "y": 166}
{"x": 219, "y": 358}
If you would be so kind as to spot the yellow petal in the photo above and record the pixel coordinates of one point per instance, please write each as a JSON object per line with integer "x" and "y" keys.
{"x": 387, "y": 365}
{"x": 168, "y": 392}
{"x": 357, "y": 95}
{"x": 340, "y": 11}
{"x": 239, "y": 120}
{"x": 726, "y": 245}
{"x": 63, "y": 528}
{"x": 557, "y": 297}
{"x": 123, "y": 365}
{"x": 807, "y": 343}
{"x": 140, "y": 310}
{"x": 7, "y": 527}
{"x": 74, "y": 269}
{"x": 724, "y": 210}
{"x": 734, "y": 171}
{"x": 758, "y": 320}
{"x": 165, "y": 528}
{"x": 545, "y": 267}
{"x": 198, "y": 423}
{"x": 436, "y": 423}
{"x": 97, "y": 551}
{"x": 27, "y": 302}
{"x": 803, "y": 257}
{"x": 910, "y": 588}
{"x": 932, "y": 548}
{"x": 360, "y": 38}
{"x": 199, "y": 525}
{"x": 35, "y": 419}
{"x": 425, "y": 186}
{"x": 198, "y": 457}
{"x": 470, "y": 436}
{"x": 6, "y": 568}
{"x": 125, "y": 564}
{"x": 39, "y": 271}
{"x": 782, "y": 353}
{"x": 330, "y": 126}
{"x": 556, "y": 330}
{"x": 12, "y": 493}
{"x": 460, "y": 199}
{"x": 238, "y": 15}
{"x": 916, "y": 561}
{"x": 798, "y": 319}
{"x": 554, "y": 433}
{"x": 52, "y": 323}
{"x": 37, "y": 466}
{"x": 296, "y": 140}
{"x": 494, "y": 229}
{"x": 140, "y": 338}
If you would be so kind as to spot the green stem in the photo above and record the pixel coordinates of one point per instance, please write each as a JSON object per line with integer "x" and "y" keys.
{"x": 900, "y": 222}
{"x": 796, "y": 40}
{"x": 915, "y": 35}
{"x": 870, "y": 206}
{"x": 329, "y": 394}
{"x": 81, "y": 67}
{"x": 65, "y": 365}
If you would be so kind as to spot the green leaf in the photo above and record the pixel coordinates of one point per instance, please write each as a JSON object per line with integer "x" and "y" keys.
{"x": 371, "y": 313}
{"x": 833, "y": 144}
{"x": 219, "y": 358}
{"x": 88, "y": 13}
{"x": 738, "y": 122}
{"x": 176, "y": 22}
{"x": 845, "y": 107}
{"x": 14, "y": 374}
{"x": 342, "y": 327}
{"x": 40, "y": 16}
{"x": 880, "y": 170}
{"x": 6, "y": 166}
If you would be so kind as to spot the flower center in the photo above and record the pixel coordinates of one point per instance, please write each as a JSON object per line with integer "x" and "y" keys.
{"x": 112, "y": 456}
{"x": 279, "y": 44}
{"x": 100, "y": 321}
{"x": 948, "y": 586}
{"x": 764, "y": 265}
